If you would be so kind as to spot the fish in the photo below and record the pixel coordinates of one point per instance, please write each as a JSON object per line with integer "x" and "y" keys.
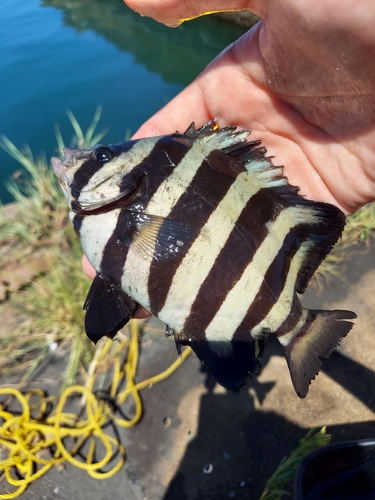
{"x": 204, "y": 231}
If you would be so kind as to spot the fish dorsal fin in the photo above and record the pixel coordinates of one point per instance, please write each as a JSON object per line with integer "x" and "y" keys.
{"x": 107, "y": 308}
{"x": 232, "y": 153}
{"x": 206, "y": 129}
{"x": 221, "y": 138}
{"x": 191, "y": 131}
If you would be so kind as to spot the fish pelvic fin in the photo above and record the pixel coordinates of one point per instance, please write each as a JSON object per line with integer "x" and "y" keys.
{"x": 230, "y": 363}
{"x": 107, "y": 308}
{"x": 315, "y": 340}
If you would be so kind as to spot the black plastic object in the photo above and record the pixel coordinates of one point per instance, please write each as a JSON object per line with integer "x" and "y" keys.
{"x": 343, "y": 471}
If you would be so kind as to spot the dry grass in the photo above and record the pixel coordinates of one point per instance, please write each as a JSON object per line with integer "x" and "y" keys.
{"x": 53, "y": 302}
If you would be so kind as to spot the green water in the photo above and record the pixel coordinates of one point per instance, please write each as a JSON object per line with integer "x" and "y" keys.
{"x": 57, "y": 55}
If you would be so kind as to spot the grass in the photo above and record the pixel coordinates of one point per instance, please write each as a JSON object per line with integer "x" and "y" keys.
{"x": 54, "y": 301}
{"x": 54, "y": 305}
{"x": 274, "y": 489}
{"x": 359, "y": 229}
{"x": 42, "y": 206}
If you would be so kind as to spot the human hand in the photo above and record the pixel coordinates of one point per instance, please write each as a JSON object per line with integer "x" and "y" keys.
{"x": 302, "y": 79}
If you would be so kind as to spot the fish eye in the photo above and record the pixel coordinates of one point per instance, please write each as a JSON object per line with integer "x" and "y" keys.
{"x": 102, "y": 155}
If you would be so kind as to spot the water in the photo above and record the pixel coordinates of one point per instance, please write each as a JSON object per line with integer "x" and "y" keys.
{"x": 57, "y": 55}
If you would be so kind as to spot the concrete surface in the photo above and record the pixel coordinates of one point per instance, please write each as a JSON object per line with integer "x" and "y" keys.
{"x": 243, "y": 436}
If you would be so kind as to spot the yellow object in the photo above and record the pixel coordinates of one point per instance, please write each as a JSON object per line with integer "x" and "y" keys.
{"x": 29, "y": 436}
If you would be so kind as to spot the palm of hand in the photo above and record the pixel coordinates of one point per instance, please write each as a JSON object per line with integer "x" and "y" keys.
{"x": 303, "y": 81}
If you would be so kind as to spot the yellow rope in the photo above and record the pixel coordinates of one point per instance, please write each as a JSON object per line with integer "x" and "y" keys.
{"x": 36, "y": 438}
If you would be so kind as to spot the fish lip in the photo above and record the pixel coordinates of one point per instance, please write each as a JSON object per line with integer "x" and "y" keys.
{"x": 69, "y": 160}
{"x": 60, "y": 170}
{"x": 58, "y": 167}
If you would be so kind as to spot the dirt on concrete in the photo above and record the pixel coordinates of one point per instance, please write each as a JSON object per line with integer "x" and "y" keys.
{"x": 220, "y": 445}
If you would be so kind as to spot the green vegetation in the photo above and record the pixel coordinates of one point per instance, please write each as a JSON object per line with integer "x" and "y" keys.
{"x": 289, "y": 465}
{"x": 359, "y": 229}
{"x": 39, "y": 225}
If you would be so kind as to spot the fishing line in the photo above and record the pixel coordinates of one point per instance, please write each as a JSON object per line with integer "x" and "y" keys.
{"x": 43, "y": 433}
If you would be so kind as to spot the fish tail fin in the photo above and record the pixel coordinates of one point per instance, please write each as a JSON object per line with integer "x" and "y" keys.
{"x": 316, "y": 339}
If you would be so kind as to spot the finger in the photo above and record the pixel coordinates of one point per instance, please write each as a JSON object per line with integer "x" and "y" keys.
{"x": 174, "y": 12}
{"x": 141, "y": 313}
{"x": 226, "y": 93}
{"x": 87, "y": 267}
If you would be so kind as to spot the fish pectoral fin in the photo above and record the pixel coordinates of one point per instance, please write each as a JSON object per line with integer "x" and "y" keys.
{"x": 315, "y": 340}
{"x": 160, "y": 238}
{"x": 107, "y": 308}
{"x": 231, "y": 363}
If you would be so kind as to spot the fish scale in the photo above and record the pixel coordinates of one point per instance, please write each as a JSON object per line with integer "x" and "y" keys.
{"x": 205, "y": 232}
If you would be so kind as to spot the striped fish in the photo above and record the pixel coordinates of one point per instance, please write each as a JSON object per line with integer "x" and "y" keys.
{"x": 206, "y": 233}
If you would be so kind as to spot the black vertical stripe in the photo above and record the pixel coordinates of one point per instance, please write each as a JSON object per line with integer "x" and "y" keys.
{"x": 193, "y": 209}
{"x": 274, "y": 280}
{"x": 77, "y": 223}
{"x": 116, "y": 248}
{"x": 238, "y": 251}
{"x": 164, "y": 157}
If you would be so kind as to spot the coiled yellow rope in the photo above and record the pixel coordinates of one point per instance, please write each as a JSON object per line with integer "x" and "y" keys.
{"x": 38, "y": 437}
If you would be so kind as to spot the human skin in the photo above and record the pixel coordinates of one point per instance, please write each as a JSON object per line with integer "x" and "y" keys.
{"x": 302, "y": 79}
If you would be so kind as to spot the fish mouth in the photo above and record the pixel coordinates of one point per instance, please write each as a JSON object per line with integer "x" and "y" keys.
{"x": 122, "y": 200}
{"x": 58, "y": 167}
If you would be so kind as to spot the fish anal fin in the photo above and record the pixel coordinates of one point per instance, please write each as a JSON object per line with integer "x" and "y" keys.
{"x": 230, "y": 363}
{"x": 107, "y": 308}
{"x": 316, "y": 339}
